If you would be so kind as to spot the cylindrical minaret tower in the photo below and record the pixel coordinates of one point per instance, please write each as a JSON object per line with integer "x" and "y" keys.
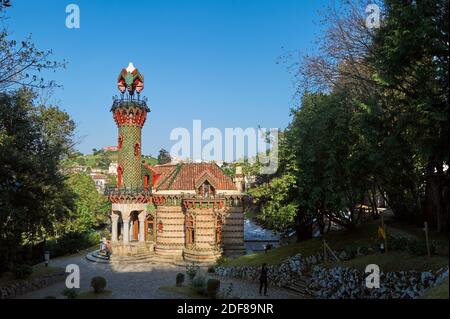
{"x": 130, "y": 114}
{"x": 132, "y": 193}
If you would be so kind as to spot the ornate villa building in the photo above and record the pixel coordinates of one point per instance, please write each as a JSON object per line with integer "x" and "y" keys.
{"x": 185, "y": 210}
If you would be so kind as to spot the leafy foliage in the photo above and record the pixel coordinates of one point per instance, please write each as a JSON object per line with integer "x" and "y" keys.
{"x": 164, "y": 157}
{"x": 33, "y": 193}
{"x": 373, "y": 123}
{"x": 90, "y": 207}
{"x": 72, "y": 242}
{"x": 98, "y": 283}
{"x": 179, "y": 279}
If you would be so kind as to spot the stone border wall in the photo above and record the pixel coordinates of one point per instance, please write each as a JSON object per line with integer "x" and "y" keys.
{"x": 346, "y": 283}
{"x": 16, "y": 289}
{"x": 278, "y": 275}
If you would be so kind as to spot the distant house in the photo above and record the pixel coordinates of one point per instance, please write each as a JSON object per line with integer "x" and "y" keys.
{"x": 76, "y": 169}
{"x": 100, "y": 181}
{"x": 110, "y": 148}
{"x": 112, "y": 170}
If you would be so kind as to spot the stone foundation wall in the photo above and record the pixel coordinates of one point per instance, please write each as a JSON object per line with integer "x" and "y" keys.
{"x": 170, "y": 241}
{"x": 345, "y": 283}
{"x": 233, "y": 231}
{"x": 19, "y": 288}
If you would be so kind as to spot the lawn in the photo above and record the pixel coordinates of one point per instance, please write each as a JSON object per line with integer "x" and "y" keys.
{"x": 438, "y": 292}
{"x": 366, "y": 235}
{"x": 38, "y": 271}
{"x": 396, "y": 261}
{"x": 183, "y": 290}
{"x": 92, "y": 295}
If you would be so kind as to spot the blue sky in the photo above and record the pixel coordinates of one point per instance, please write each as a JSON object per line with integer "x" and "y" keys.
{"x": 215, "y": 61}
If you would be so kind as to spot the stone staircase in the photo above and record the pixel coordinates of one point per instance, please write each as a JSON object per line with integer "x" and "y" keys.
{"x": 299, "y": 285}
{"x": 141, "y": 256}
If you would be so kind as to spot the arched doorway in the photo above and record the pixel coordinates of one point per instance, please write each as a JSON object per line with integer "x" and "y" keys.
{"x": 189, "y": 228}
{"x": 134, "y": 225}
{"x": 218, "y": 230}
{"x": 150, "y": 228}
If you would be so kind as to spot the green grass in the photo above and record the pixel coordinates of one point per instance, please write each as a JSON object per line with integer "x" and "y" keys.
{"x": 438, "y": 292}
{"x": 183, "y": 290}
{"x": 395, "y": 261}
{"x": 366, "y": 235}
{"x": 92, "y": 295}
{"x": 39, "y": 270}
{"x": 277, "y": 255}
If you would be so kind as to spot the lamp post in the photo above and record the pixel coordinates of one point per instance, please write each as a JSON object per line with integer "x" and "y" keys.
{"x": 46, "y": 257}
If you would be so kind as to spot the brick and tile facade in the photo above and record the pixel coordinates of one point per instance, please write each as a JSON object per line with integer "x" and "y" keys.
{"x": 186, "y": 210}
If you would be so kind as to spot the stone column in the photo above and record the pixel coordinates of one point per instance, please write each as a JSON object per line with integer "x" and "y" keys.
{"x": 141, "y": 226}
{"x": 114, "y": 219}
{"x": 126, "y": 230}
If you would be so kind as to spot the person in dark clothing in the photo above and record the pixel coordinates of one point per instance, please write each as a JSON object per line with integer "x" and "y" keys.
{"x": 263, "y": 280}
{"x": 268, "y": 247}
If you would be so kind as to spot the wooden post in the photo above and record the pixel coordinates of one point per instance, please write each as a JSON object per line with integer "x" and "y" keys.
{"x": 385, "y": 233}
{"x": 331, "y": 251}
{"x": 426, "y": 238}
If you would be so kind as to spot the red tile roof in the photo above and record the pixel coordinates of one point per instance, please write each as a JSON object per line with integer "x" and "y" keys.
{"x": 184, "y": 176}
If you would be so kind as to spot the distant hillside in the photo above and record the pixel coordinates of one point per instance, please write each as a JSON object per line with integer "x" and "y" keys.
{"x": 101, "y": 159}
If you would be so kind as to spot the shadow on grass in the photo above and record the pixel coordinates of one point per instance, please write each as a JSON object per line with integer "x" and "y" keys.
{"x": 183, "y": 290}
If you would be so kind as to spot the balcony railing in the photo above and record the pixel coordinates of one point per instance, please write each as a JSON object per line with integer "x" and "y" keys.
{"x": 128, "y": 101}
{"x": 133, "y": 191}
{"x": 199, "y": 196}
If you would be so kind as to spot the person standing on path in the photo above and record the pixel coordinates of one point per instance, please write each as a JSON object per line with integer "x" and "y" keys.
{"x": 263, "y": 280}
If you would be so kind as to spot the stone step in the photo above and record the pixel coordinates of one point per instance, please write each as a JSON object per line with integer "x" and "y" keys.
{"x": 96, "y": 259}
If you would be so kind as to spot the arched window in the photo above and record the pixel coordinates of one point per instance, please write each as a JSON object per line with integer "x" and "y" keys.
{"x": 218, "y": 230}
{"x": 150, "y": 226}
{"x": 189, "y": 227}
{"x": 146, "y": 181}
{"x": 206, "y": 190}
{"x": 137, "y": 149}
{"x": 119, "y": 143}
{"x": 119, "y": 176}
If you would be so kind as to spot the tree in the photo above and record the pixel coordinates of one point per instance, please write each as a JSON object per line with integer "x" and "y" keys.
{"x": 411, "y": 64}
{"x": 164, "y": 157}
{"x": 33, "y": 196}
{"x": 21, "y": 62}
{"x": 90, "y": 207}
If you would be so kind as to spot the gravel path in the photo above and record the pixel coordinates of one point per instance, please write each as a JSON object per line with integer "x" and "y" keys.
{"x": 142, "y": 281}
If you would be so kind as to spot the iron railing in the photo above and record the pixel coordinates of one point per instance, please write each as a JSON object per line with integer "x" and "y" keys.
{"x": 128, "y": 101}
{"x": 133, "y": 191}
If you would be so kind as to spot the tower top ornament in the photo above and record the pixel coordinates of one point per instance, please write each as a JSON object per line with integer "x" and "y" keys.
{"x": 130, "y": 80}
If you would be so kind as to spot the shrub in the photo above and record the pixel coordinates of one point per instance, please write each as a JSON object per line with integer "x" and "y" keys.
{"x": 199, "y": 284}
{"x": 22, "y": 271}
{"x": 192, "y": 270}
{"x": 211, "y": 269}
{"x": 364, "y": 250}
{"x": 72, "y": 242}
{"x": 98, "y": 283}
{"x": 221, "y": 260}
{"x": 212, "y": 288}
{"x": 350, "y": 252}
{"x": 398, "y": 243}
{"x": 180, "y": 279}
{"x": 418, "y": 247}
{"x": 413, "y": 246}
{"x": 70, "y": 293}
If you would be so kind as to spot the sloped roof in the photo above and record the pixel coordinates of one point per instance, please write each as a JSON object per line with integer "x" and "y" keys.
{"x": 184, "y": 176}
